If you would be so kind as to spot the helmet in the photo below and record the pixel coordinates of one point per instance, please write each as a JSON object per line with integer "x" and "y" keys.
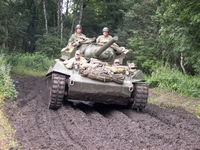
{"x": 78, "y": 52}
{"x": 116, "y": 61}
{"x": 78, "y": 26}
{"x": 105, "y": 29}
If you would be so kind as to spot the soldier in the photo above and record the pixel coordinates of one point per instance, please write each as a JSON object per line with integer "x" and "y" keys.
{"x": 102, "y": 39}
{"x": 75, "y": 39}
{"x": 77, "y": 34}
{"x": 77, "y": 59}
{"x": 105, "y": 37}
{"x": 116, "y": 62}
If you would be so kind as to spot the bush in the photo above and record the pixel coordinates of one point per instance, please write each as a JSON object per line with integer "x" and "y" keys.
{"x": 7, "y": 88}
{"x": 29, "y": 64}
{"x": 173, "y": 80}
{"x": 49, "y": 45}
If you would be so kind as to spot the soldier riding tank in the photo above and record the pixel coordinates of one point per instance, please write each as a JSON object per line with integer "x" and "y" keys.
{"x": 70, "y": 84}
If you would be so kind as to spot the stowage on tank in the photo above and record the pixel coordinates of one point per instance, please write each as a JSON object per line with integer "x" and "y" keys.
{"x": 97, "y": 80}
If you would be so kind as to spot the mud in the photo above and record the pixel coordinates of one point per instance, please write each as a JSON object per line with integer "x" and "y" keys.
{"x": 98, "y": 126}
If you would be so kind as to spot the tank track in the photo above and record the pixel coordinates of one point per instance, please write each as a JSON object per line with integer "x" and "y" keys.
{"x": 140, "y": 96}
{"x": 56, "y": 90}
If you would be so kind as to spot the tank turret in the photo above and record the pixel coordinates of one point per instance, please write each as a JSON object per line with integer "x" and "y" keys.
{"x": 102, "y": 52}
{"x": 89, "y": 50}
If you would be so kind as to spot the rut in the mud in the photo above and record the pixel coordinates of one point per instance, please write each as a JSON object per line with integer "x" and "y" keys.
{"x": 98, "y": 127}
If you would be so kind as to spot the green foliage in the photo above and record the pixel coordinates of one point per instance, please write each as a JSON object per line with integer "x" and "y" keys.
{"x": 7, "y": 88}
{"x": 29, "y": 64}
{"x": 179, "y": 32}
{"x": 143, "y": 53}
{"x": 49, "y": 46}
{"x": 170, "y": 78}
{"x": 137, "y": 32}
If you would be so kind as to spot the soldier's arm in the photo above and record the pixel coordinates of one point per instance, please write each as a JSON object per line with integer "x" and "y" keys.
{"x": 72, "y": 38}
{"x": 98, "y": 39}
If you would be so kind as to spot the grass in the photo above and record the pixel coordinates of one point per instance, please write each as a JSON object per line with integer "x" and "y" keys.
{"x": 173, "y": 89}
{"x": 165, "y": 99}
{"x": 29, "y": 64}
{"x": 171, "y": 79}
{"x": 7, "y": 89}
{"x": 7, "y": 139}
{"x": 23, "y": 71}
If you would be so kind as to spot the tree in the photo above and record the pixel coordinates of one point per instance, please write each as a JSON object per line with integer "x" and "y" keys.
{"x": 138, "y": 33}
{"x": 179, "y": 32}
{"x": 45, "y": 16}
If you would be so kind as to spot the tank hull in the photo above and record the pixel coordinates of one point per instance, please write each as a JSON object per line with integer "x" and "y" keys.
{"x": 86, "y": 89}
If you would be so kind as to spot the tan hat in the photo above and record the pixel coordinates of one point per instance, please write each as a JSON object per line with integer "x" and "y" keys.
{"x": 116, "y": 60}
{"x": 78, "y": 53}
{"x": 105, "y": 29}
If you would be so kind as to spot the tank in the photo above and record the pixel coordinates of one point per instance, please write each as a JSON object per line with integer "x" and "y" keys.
{"x": 65, "y": 84}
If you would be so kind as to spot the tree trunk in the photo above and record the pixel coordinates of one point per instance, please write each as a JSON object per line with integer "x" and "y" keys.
{"x": 181, "y": 63}
{"x": 45, "y": 16}
{"x": 60, "y": 19}
{"x": 81, "y": 12}
{"x": 67, "y": 7}
{"x": 58, "y": 16}
{"x": 61, "y": 28}
{"x": 74, "y": 18}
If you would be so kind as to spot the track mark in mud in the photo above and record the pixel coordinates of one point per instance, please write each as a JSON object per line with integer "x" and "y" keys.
{"x": 96, "y": 127}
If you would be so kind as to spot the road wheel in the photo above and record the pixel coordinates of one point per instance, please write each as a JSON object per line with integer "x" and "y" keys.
{"x": 55, "y": 90}
{"x": 140, "y": 96}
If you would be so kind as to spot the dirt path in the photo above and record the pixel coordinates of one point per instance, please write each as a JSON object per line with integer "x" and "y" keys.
{"x": 98, "y": 127}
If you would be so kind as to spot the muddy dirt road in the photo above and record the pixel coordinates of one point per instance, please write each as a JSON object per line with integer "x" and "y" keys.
{"x": 98, "y": 127}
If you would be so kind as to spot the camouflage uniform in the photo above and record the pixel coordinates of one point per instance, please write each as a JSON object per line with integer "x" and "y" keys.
{"x": 75, "y": 37}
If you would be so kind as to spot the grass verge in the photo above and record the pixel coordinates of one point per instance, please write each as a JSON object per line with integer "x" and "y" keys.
{"x": 23, "y": 71}
{"x": 170, "y": 100}
{"x": 29, "y": 64}
{"x": 7, "y": 140}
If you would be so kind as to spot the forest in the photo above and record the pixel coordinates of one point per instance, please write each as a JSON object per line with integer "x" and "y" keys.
{"x": 158, "y": 33}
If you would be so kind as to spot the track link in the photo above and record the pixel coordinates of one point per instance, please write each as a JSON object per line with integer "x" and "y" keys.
{"x": 140, "y": 96}
{"x": 56, "y": 90}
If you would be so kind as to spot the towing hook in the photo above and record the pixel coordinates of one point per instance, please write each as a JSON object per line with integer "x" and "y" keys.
{"x": 71, "y": 82}
{"x": 130, "y": 88}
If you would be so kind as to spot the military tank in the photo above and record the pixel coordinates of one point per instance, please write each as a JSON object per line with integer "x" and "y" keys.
{"x": 65, "y": 84}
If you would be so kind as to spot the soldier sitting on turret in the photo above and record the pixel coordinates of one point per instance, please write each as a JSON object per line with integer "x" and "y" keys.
{"x": 73, "y": 41}
{"x": 77, "y": 59}
{"x": 77, "y": 34}
{"x": 102, "y": 39}
{"x": 76, "y": 39}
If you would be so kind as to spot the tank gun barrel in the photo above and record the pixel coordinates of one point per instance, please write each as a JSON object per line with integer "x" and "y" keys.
{"x": 104, "y": 47}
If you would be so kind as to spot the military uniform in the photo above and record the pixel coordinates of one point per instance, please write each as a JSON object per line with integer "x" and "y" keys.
{"x": 75, "y": 37}
{"x": 69, "y": 63}
{"x": 103, "y": 39}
